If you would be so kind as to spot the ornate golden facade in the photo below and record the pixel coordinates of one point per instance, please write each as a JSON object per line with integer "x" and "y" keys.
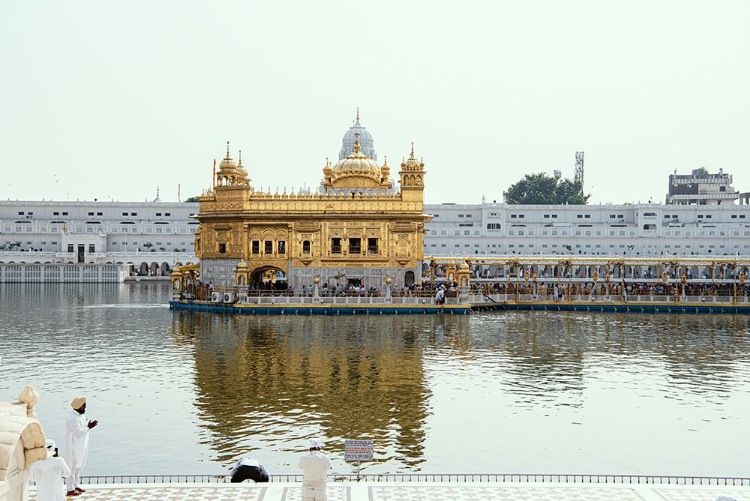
{"x": 357, "y": 229}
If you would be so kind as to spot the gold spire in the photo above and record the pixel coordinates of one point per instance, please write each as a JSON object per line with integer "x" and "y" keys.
{"x": 357, "y": 113}
{"x": 227, "y": 149}
{"x": 239, "y": 164}
{"x": 357, "y": 149}
{"x": 412, "y": 151}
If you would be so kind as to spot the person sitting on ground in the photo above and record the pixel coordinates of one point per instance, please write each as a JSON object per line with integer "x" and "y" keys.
{"x": 248, "y": 468}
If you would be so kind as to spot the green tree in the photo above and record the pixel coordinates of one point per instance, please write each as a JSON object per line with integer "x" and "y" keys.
{"x": 700, "y": 171}
{"x": 543, "y": 189}
{"x": 193, "y": 199}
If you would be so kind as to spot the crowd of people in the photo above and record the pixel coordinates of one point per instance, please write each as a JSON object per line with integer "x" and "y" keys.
{"x": 575, "y": 291}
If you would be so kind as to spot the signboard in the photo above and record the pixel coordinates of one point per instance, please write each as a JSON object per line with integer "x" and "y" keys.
{"x": 358, "y": 450}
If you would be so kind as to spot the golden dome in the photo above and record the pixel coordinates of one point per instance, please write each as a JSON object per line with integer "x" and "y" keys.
{"x": 230, "y": 173}
{"x": 355, "y": 171}
{"x": 227, "y": 163}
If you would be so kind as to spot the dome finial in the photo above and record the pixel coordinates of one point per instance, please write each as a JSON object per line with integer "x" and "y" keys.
{"x": 357, "y": 113}
{"x": 412, "y": 149}
{"x": 240, "y": 159}
{"x": 357, "y": 148}
{"x": 227, "y": 149}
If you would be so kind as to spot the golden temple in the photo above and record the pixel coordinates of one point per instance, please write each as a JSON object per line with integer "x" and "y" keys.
{"x": 357, "y": 229}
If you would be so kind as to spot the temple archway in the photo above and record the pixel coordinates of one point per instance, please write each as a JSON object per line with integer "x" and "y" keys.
{"x": 268, "y": 278}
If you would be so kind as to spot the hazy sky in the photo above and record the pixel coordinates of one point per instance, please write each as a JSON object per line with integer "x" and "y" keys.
{"x": 111, "y": 100}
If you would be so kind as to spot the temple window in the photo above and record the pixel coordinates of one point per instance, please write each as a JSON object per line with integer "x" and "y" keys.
{"x": 282, "y": 247}
{"x": 306, "y": 247}
{"x": 355, "y": 246}
{"x": 335, "y": 246}
{"x": 268, "y": 248}
{"x": 372, "y": 245}
{"x": 222, "y": 248}
{"x": 256, "y": 247}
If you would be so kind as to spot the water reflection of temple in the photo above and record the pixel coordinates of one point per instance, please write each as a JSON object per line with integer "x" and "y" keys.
{"x": 269, "y": 382}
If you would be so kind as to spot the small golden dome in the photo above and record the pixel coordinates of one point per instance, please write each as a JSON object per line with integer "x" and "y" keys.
{"x": 412, "y": 164}
{"x": 227, "y": 163}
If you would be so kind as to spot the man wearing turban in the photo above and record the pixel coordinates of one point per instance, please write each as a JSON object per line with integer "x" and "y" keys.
{"x": 77, "y": 438}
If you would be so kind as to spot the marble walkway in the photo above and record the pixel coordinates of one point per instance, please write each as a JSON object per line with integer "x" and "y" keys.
{"x": 412, "y": 491}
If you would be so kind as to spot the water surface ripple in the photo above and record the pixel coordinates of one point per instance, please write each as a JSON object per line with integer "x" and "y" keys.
{"x": 492, "y": 392}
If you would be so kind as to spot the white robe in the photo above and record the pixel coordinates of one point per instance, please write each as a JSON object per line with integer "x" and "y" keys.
{"x": 47, "y": 475}
{"x": 315, "y": 466}
{"x": 77, "y": 439}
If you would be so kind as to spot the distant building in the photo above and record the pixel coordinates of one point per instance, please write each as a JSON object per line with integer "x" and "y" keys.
{"x": 604, "y": 229}
{"x": 701, "y": 188}
{"x": 150, "y": 236}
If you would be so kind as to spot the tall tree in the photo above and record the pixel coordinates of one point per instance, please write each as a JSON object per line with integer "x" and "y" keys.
{"x": 543, "y": 189}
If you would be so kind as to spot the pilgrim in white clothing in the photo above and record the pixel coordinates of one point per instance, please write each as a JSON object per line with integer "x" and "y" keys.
{"x": 315, "y": 466}
{"x": 77, "y": 429}
{"x": 48, "y": 475}
{"x": 248, "y": 468}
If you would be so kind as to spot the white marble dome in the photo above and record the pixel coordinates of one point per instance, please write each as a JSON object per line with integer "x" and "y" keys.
{"x": 365, "y": 141}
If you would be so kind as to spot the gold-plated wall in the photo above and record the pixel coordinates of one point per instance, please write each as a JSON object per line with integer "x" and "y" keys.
{"x": 343, "y": 228}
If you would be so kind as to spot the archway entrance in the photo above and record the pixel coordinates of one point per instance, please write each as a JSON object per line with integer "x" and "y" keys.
{"x": 409, "y": 278}
{"x": 268, "y": 279}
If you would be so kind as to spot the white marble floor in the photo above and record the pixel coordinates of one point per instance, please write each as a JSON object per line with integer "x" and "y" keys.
{"x": 424, "y": 491}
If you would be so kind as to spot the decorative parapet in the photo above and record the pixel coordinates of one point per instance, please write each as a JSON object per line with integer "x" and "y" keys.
{"x": 30, "y": 397}
{"x": 21, "y": 444}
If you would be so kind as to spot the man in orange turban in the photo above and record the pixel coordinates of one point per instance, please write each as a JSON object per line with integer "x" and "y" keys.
{"x": 77, "y": 439}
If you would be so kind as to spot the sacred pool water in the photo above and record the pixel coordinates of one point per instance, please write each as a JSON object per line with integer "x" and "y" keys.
{"x": 486, "y": 393}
